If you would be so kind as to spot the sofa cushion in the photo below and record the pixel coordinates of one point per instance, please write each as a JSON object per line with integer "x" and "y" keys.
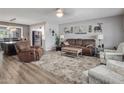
{"x": 88, "y": 42}
{"x": 87, "y": 51}
{"x": 23, "y": 45}
{"x": 90, "y": 46}
{"x": 78, "y": 42}
{"x": 75, "y": 46}
{"x": 116, "y": 66}
{"x": 71, "y": 41}
{"x": 104, "y": 75}
{"x": 66, "y": 43}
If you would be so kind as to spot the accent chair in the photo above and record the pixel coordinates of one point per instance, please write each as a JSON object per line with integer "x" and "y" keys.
{"x": 115, "y": 54}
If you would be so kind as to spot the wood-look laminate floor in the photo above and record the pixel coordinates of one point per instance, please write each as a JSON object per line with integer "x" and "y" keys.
{"x": 14, "y": 72}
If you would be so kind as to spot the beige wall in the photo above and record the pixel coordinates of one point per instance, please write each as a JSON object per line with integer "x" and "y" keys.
{"x": 26, "y": 28}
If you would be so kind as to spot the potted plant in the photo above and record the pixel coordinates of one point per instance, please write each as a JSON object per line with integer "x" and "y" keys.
{"x": 57, "y": 42}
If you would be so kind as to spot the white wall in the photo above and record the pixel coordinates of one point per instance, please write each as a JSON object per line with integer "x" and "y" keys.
{"x": 50, "y": 40}
{"x": 112, "y": 30}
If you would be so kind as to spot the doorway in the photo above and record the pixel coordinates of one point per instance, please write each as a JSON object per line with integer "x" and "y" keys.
{"x": 37, "y": 38}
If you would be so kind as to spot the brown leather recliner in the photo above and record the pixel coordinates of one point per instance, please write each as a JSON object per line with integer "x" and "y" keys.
{"x": 26, "y": 53}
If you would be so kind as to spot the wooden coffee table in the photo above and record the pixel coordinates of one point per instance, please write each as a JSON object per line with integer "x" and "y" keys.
{"x": 71, "y": 50}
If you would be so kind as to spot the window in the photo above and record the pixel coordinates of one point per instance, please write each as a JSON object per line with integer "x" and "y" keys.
{"x": 6, "y": 33}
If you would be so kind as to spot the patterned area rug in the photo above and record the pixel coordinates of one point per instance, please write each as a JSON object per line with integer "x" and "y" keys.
{"x": 68, "y": 68}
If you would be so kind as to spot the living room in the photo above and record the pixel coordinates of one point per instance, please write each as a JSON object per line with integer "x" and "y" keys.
{"x": 62, "y": 45}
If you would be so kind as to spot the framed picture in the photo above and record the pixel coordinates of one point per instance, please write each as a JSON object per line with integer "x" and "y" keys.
{"x": 76, "y": 29}
{"x": 67, "y": 30}
{"x": 81, "y": 30}
{"x": 90, "y": 28}
{"x": 71, "y": 29}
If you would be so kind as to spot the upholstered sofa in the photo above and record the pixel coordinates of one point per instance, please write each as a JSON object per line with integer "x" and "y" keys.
{"x": 112, "y": 73}
{"x": 87, "y": 45}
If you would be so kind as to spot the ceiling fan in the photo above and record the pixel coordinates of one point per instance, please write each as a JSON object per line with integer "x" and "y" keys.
{"x": 13, "y": 19}
{"x": 66, "y": 12}
{"x": 59, "y": 12}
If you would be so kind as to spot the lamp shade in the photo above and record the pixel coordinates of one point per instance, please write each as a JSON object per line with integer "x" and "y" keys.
{"x": 62, "y": 36}
{"x": 100, "y": 37}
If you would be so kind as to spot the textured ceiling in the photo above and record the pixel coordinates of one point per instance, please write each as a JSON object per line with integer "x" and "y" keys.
{"x": 36, "y": 15}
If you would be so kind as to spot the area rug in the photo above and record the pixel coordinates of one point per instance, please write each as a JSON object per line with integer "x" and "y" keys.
{"x": 68, "y": 68}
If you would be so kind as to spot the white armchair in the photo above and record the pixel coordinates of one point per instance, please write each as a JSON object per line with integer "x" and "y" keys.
{"x": 115, "y": 54}
{"x": 111, "y": 73}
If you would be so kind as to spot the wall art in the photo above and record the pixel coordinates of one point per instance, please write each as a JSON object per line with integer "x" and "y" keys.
{"x": 67, "y": 30}
{"x": 71, "y": 29}
{"x": 90, "y": 28}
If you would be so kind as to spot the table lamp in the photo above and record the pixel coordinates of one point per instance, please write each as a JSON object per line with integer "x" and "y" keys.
{"x": 100, "y": 37}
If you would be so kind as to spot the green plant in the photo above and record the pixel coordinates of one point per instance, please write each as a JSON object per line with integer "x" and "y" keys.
{"x": 57, "y": 40}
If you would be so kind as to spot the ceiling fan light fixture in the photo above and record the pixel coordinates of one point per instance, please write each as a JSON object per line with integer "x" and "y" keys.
{"x": 59, "y": 12}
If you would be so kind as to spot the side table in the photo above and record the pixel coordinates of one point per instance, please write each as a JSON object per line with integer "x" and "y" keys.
{"x": 9, "y": 48}
{"x": 58, "y": 48}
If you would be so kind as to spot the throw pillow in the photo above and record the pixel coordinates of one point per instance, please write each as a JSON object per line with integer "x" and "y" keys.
{"x": 90, "y": 45}
{"x": 66, "y": 43}
{"x": 23, "y": 47}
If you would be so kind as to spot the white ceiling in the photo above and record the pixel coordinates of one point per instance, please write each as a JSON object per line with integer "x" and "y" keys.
{"x": 36, "y": 15}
